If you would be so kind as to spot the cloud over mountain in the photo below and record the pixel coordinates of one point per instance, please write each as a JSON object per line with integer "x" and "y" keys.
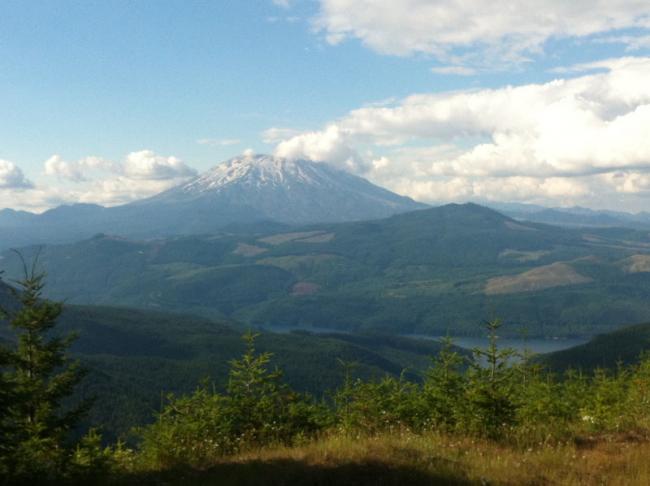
{"x": 567, "y": 139}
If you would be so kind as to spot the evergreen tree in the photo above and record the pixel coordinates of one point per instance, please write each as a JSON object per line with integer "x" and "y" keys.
{"x": 37, "y": 376}
{"x": 491, "y": 391}
{"x": 444, "y": 385}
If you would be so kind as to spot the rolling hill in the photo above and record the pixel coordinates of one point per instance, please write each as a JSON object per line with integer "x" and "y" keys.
{"x": 134, "y": 356}
{"x": 607, "y": 350}
{"x": 435, "y": 270}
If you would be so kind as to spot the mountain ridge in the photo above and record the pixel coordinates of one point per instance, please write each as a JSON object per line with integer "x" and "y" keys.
{"x": 425, "y": 271}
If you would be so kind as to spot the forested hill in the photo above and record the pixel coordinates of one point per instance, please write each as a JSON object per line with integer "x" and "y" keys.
{"x": 624, "y": 346}
{"x": 433, "y": 271}
{"x": 134, "y": 356}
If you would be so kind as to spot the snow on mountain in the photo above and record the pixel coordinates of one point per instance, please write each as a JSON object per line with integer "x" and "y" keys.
{"x": 288, "y": 191}
{"x": 246, "y": 190}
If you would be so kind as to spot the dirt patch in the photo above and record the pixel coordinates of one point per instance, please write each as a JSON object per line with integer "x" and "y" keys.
{"x": 305, "y": 288}
{"x": 637, "y": 264}
{"x": 554, "y": 275}
{"x": 523, "y": 256}
{"x": 244, "y": 249}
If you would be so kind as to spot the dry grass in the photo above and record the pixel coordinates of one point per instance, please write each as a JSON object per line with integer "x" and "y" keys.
{"x": 407, "y": 459}
{"x": 544, "y": 277}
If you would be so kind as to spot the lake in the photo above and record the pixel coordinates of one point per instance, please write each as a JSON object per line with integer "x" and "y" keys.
{"x": 535, "y": 345}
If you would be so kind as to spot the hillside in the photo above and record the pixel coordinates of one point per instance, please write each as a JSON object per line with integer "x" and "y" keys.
{"x": 134, "y": 356}
{"x": 623, "y": 346}
{"x": 435, "y": 271}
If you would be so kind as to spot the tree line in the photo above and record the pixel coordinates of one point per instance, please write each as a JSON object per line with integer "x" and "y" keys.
{"x": 496, "y": 393}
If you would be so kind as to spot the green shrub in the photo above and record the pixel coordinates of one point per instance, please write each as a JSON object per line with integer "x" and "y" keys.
{"x": 256, "y": 410}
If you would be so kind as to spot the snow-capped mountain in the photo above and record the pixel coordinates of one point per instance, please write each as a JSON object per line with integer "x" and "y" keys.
{"x": 287, "y": 191}
{"x": 244, "y": 190}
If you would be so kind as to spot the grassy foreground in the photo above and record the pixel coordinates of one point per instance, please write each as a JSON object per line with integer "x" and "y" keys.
{"x": 409, "y": 459}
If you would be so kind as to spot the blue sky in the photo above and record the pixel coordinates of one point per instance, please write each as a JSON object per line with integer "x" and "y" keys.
{"x": 183, "y": 85}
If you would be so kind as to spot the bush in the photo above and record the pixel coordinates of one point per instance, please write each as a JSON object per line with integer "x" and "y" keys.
{"x": 256, "y": 410}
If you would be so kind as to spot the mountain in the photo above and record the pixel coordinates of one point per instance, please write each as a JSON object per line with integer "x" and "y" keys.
{"x": 288, "y": 191}
{"x": 574, "y": 216}
{"x": 240, "y": 191}
{"x": 434, "y": 271}
{"x": 10, "y": 217}
{"x": 607, "y": 350}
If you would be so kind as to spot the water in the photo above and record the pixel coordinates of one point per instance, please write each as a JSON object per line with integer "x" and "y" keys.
{"x": 534, "y": 345}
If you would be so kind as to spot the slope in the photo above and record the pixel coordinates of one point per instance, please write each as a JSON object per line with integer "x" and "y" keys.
{"x": 427, "y": 271}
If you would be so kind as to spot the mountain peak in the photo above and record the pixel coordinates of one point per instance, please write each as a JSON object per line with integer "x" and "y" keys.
{"x": 256, "y": 170}
{"x": 286, "y": 191}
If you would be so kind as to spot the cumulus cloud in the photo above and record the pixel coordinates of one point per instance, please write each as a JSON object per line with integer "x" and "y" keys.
{"x": 147, "y": 165}
{"x": 556, "y": 141}
{"x": 277, "y": 134}
{"x": 92, "y": 180}
{"x": 474, "y": 31}
{"x": 75, "y": 171}
{"x": 12, "y": 177}
{"x": 331, "y": 144}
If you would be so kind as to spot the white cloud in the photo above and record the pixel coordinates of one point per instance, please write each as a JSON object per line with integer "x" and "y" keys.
{"x": 555, "y": 142}
{"x": 94, "y": 180}
{"x": 75, "y": 171}
{"x": 248, "y": 153}
{"x": 12, "y": 177}
{"x": 474, "y": 31}
{"x": 631, "y": 42}
{"x": 147, "y": 165}
{"x": 219, "y": 142}
{"x": 330, "y": 144}
{"x": 276, "y": 134}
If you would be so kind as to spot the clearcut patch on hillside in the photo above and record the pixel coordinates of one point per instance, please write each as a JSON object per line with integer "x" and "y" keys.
{"x": 244, "y": 249}
{"x": 637, "y": 264}
{"x": 322, "y": 238}
{"x": 523, "y": 256}
{"x": 304, "y": 288}
{"x": 553, "y": 275}
{"x": 287, "y": 237}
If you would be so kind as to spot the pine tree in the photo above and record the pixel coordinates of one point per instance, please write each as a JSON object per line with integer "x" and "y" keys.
{"x": 490, "y": 390}
{"x": 37, "y": 376}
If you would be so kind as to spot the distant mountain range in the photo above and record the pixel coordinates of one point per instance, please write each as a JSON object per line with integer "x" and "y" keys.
{"x": 435, "y": 270}
{"x": 574, "y": 216}
{"x": 240, "y": 191}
